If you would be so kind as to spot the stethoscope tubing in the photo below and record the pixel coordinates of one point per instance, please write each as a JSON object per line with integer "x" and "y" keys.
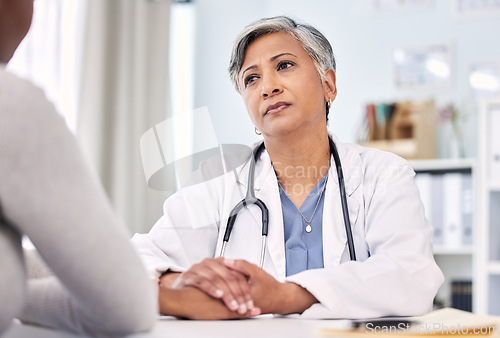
{"x": 249, "y": 199}
{"x": 343, "y": 200}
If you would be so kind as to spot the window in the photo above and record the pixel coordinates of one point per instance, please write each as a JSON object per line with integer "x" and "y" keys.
{"x": 49, "y": 55}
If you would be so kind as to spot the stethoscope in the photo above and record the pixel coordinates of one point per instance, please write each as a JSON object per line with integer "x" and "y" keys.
{"x": 251, "y": 199}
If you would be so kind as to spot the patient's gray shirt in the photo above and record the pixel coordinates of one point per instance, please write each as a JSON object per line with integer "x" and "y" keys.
{"x": 99, "y": 286}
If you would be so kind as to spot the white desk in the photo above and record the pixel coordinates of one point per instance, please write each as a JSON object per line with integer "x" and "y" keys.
{"x": 27, "y": 331}
{"x": 268, "y": 326}
{"x": 171, "y": 328}
{"x": 255, "y": 328}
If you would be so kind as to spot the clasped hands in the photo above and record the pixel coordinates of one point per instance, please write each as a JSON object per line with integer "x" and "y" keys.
{"x": 219, "y": 288}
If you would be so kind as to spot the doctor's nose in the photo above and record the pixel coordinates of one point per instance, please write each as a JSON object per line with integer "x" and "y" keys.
{"x": 270, "y": 86}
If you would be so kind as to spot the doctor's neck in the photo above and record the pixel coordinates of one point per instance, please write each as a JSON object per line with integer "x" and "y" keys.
{"x": 300, "y": 162}
{"x": 305, "y": 147}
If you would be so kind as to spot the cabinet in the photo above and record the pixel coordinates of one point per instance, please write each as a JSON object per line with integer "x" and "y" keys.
{"x": 489, "y": 241}
{"x": 448, "y": 188}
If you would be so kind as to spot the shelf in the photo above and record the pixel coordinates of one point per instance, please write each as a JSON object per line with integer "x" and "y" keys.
{"x": 494, "y": 268}
{"x": 441, "y": 250}
{"x": 435, "y": 177}
{"x": 494, "y": 186}
{"x": 442, "y": 164}
{"x": 406, "y": 148}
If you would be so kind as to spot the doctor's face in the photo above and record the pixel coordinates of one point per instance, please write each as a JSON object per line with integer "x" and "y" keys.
{"x": 281, "y": 87}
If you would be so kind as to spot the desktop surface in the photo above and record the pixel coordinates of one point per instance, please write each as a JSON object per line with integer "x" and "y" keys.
{"x": 453, "y": 321}
{"x": 169, "y": 327}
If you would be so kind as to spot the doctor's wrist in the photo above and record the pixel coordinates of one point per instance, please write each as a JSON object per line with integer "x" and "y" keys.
{"x": 293, "y": 299}
{"x": 168, "y": 278}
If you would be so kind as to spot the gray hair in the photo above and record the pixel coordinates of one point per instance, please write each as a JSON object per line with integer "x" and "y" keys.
{"x": 314, "y": 43}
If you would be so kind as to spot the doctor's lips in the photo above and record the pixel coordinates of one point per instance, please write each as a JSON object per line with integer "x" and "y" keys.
{"x": 275, "y": 108}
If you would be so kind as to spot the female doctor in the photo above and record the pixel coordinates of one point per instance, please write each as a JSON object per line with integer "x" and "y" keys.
{"x": 285, "y": 73}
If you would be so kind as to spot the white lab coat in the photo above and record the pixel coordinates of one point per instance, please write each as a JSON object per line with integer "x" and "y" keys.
{"x": 395, "y": 272}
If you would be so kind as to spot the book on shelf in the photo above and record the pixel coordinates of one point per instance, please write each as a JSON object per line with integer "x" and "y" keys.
{"x": 452, "y": 213}
{"x": 461, "y": 295}
{"x": 404, "y": 128}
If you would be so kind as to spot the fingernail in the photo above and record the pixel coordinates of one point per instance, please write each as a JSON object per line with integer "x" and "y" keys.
{"x": 250, "y": 305}
{"x": 233, "y": 305}
{"x": 219, "y": 293}
{"x": 255, "y": 311}
{"x": 229, "y": 261}
{"x": 243, "y": 309}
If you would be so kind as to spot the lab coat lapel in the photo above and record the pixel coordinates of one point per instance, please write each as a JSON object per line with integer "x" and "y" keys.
{"x": 334, "y": 233}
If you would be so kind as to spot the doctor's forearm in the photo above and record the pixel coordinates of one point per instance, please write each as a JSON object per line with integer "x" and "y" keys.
{"x": 192, "y": 303}
{"x": 180, "y": 302}
{"x": 293, "y": 299}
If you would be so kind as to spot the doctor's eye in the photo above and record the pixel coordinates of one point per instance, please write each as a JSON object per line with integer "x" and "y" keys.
{"x": 285, "y": 64}
{"x": 250, "y": 79}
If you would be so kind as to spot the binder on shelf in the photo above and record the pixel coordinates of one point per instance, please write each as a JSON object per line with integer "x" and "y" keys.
{"x": 437, "y": 209}
{"x": 448, "y": 200}
{"x": 467, "y": 206}
{"x": 452, "y": 212}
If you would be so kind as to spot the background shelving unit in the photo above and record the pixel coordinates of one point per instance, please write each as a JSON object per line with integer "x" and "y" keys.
{"x": 489, "y": 242}
{"x": 458, "y": 261}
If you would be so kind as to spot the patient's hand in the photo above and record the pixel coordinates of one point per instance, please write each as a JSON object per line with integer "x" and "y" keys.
{"x": 192, "y": 303}
{"x": 216, "y": 280}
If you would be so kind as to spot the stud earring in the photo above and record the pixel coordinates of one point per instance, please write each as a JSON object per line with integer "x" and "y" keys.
{"x": 257, "y": 131}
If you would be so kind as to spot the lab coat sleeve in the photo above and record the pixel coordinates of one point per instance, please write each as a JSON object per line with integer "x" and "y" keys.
{"x": 185, "y": 234}
{"x": 400, "y": 277}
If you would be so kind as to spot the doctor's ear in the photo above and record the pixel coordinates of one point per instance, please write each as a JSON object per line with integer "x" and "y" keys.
{"x": 330, "y": 85}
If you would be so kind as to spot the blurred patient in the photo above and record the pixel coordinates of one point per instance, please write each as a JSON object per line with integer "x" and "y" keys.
{"x": 85, "y": 276}
{"x": 98, "y": 287}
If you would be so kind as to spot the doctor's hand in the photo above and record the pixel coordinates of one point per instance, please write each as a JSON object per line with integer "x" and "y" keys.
{"x": 218, "y": 281}
{"x": 270, "y": 295}
{"x": 192, "y": 303}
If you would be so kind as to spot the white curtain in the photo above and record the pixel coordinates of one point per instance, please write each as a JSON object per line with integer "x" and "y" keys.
{"x": 49, "y": 56}
{"x": 123, "y": 92}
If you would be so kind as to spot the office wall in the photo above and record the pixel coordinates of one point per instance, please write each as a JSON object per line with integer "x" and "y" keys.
{"x": 363, "y": 41}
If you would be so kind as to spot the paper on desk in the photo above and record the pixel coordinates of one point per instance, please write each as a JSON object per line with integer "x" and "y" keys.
{"x": 442, "y": 322}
